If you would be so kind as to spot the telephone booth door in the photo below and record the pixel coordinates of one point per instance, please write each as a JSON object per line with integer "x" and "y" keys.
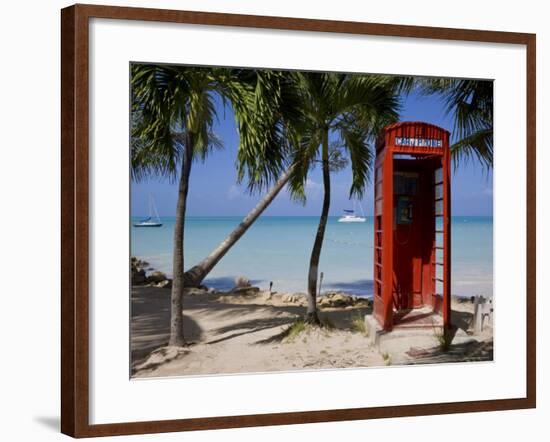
{"x": 412, "y": 222}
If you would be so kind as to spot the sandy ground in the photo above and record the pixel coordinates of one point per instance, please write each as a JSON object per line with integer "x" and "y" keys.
{"x": 245, "y": 334}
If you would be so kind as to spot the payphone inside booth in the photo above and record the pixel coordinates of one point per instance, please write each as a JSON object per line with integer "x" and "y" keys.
{"x": 412, "y": 222}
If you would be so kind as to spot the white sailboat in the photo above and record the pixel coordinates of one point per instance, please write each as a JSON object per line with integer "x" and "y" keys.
{"x": 349, "y": 216}
{"x": 153, "y": 220}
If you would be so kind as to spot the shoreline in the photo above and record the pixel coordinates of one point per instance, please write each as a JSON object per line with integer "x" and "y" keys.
{"x": 327, "y": 288}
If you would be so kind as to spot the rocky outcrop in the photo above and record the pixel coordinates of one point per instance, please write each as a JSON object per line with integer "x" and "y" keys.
{"x": 294, "y": 298}
{"x": 340, "y": 299}
{"x": 245, "y": 291}
{"x": 195, "y": 291}
{"x": 156, "y": 277}
{"x": 139, "y": 275}
{"x": 137, "y": 268}
{"x": 165, "y": 284}
{"x": 241, "y": 282}
{"x": 327, "y": 300}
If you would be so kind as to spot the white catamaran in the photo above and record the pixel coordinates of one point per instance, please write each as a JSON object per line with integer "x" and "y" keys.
{"x": 153, "y": 220}
{"x": 349, "y": 216}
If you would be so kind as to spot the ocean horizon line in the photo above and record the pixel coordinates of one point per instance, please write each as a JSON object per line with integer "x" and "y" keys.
{"x": 289, "y": 216}
{"x": 277, "y": 248}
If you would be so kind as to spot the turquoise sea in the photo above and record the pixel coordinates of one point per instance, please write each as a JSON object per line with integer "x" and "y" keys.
{"x": 277, "y": 249}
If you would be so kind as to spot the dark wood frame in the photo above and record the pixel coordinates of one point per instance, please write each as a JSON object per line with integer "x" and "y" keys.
{"x": 74, "y": 219}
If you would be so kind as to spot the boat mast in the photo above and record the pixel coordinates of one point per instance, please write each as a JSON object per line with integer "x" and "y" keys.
{"x": 153, "y": 208}
{"x": 362, "y": 211}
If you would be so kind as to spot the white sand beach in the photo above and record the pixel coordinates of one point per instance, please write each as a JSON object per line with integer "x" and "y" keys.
{"x": 250, "y": 332}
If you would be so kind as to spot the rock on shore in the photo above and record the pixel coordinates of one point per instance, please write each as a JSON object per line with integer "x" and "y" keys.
{"x": 341, "y": 299}
{"x": 244, "y": 289}
{"x": 327, "y": 300}
{"x": 138, "y": 269}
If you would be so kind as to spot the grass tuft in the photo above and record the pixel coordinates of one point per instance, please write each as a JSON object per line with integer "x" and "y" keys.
{"x": 358, "y": 324}
{"x": 297, "y": 327}
{"x": 444, "y": 337}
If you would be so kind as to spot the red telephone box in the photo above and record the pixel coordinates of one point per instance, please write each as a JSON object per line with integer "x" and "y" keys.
{"x": 412, "y": 228}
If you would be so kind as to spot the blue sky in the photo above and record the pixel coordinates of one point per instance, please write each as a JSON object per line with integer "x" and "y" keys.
{"x": 215, "y": 192}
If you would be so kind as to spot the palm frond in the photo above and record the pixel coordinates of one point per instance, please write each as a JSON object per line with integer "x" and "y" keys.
{"x": 170, "y": 106}
{"x": 266, "y": 107}
{"x": 471, "y": 103}
{"x": 158, "y": 157}
{"x": 355, "y": 140}
{"x": 303, "y": 160}
{"x": 477, "y": 145}
{"x": 354, "y": 107}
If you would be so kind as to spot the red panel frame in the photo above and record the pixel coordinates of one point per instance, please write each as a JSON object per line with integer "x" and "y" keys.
{"x": 428, "y": 145}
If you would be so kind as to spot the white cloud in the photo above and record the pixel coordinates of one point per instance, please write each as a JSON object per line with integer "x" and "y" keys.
{"x": 234, "y": 192}
{"x": 313, "y": 185}
{"x": 314, "y": 190}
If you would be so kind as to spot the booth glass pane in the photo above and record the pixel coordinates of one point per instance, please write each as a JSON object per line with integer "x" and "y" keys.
{"x": 439, "y": 207}
{"x": 438, "y": 175}
{"x": 439, "y": 239}
{"x": 438, "y": 223}
{"x": 439, "y": 272}
{"x": 439, "y": 191}
{"x": 438, "y": 288}
{"x": 378, "y": 207}
{"x": 378, "y": 189}
{"x": 439, "y": 255}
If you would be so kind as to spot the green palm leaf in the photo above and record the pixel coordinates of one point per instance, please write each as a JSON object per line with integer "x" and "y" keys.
{"x": 471, "y": 103}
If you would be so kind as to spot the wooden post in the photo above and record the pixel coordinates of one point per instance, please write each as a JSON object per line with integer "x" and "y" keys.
{"x": 477, "y": 319}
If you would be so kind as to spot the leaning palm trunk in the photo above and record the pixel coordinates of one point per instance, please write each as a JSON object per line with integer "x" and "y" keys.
{"x": 176, "y": 316}
{"x": 195, "y": 275}
{"x": 312, "y": 316}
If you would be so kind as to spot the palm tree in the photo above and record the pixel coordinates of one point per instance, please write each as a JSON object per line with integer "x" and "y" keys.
{"x": 175, "y": 112}
{"x": 172, "y": 117}
{"x": 471, "y": 103}
{"x": 353, "y": 109}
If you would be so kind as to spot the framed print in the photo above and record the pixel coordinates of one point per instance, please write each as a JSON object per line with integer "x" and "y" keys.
{"x": 272, "y": 220}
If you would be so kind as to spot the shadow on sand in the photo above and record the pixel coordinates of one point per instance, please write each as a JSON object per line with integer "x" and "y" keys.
{"x": 150, "y": 322}
{"x": 471, "y": 351}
